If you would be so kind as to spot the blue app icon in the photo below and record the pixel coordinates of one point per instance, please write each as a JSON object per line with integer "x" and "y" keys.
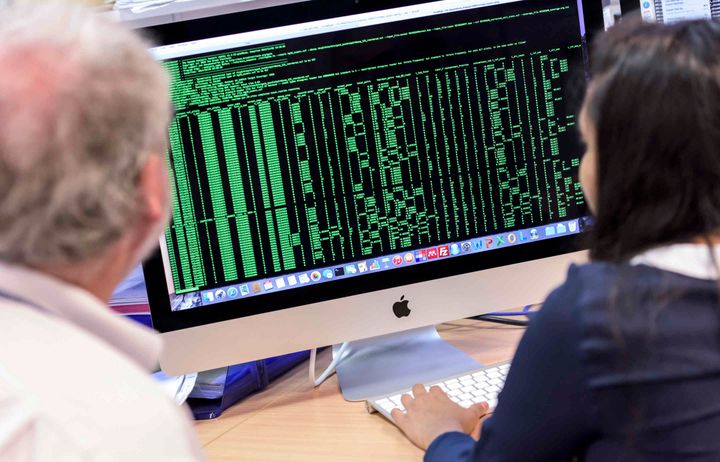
{"x": 232, "y": 292}
{"x": 328, "y": 273}
{"x": 455, "y": 249}
{"x": 646, "y": 5}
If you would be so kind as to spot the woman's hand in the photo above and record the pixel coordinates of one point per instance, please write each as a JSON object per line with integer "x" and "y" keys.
{"x": 431, "y": 413}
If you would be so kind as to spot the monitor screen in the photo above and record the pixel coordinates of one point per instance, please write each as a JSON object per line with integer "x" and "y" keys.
{"x": 326, "y": 158}
{"x": 670, "y": 11}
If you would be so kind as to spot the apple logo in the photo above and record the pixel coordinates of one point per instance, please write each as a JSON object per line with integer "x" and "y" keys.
{"x": 401, "y": 309}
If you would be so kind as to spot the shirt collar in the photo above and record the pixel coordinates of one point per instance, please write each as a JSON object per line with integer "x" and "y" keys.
{"x": 84, "y": 310}
{"x": 692, "y": 260}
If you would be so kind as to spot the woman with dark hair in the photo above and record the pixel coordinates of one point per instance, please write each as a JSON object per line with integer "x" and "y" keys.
{"x": 623, "y": 361}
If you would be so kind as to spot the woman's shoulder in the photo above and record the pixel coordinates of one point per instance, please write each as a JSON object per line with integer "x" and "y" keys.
{"x": 564, "y": 309}
{"x": 584, "y": 285}
{"x": 639, "y": 316}
{"x": 600, "y": 285}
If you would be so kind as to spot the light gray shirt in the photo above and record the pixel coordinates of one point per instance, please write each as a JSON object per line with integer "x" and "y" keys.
{"x": 74, "y": 380}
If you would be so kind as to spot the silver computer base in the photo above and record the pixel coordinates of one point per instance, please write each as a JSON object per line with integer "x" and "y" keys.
{"x": 382, "y": 365}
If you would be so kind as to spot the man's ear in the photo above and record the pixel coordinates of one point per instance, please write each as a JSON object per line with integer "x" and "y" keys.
{"x": 153, "y": 185}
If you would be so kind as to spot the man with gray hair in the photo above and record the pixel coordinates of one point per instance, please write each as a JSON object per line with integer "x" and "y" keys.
{"x": 83, "y": 196}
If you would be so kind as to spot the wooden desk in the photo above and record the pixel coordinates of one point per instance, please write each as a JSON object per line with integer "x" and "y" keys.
{"x": 291, "y": 421}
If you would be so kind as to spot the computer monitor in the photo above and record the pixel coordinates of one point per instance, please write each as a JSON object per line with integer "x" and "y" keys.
{"x": 343, "y": 171}
{"x": 669, "y": 11}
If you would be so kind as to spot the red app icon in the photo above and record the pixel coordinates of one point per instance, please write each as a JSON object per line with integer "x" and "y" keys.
{"x": 397, "y": 260}
{"x": 444, "y": 251}
{"x": 432, "y": 253}
{"x": 488, "y": 242}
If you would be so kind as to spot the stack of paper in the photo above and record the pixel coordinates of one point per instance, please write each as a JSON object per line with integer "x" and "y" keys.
{"x": 176, "y": 387}
{"x": 140, "y": 6}
{"x": 131, "y": 291}
{"x": 210, "y": 384}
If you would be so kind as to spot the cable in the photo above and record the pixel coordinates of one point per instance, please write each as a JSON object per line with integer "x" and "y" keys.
{"x": 525, "y": 312}
{"x": 500, "y": 317}
{"x": 329, "y": 370}
{"x": 510, "y": 314}
{"x": 499, "y": 320}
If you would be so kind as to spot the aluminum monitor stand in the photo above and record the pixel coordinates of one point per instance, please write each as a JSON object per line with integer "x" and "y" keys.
{"x": 389, "y": 363}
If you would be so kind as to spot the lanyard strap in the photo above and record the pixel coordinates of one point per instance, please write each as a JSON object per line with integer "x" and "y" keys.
{"x": 20, "y": 300}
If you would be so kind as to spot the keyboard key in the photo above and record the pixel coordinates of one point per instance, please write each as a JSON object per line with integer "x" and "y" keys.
{"x": 465, "y": 377}
{"x": 454, "y": 386}
{"x": 466, "y": 403}
{"x": 465, "y": 383}
{"x": 483, "y": 383}
{"x": 466, "y": 396}
{"x": 388, "y": 406}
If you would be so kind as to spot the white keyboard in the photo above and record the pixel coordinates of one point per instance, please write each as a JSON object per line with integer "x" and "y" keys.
{"x": 482, "y": 385}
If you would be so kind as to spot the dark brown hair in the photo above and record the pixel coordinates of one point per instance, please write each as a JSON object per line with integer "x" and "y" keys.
{"x": 654, "y": 102}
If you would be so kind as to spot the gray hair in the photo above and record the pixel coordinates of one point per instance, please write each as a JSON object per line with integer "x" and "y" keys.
{"x": 82, "y": 104}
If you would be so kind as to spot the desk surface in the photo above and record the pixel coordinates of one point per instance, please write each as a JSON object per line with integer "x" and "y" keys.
{"x": 290, "y": 421}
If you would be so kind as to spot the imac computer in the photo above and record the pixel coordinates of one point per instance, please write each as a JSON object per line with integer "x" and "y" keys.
{"x": 345, "y": 170}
